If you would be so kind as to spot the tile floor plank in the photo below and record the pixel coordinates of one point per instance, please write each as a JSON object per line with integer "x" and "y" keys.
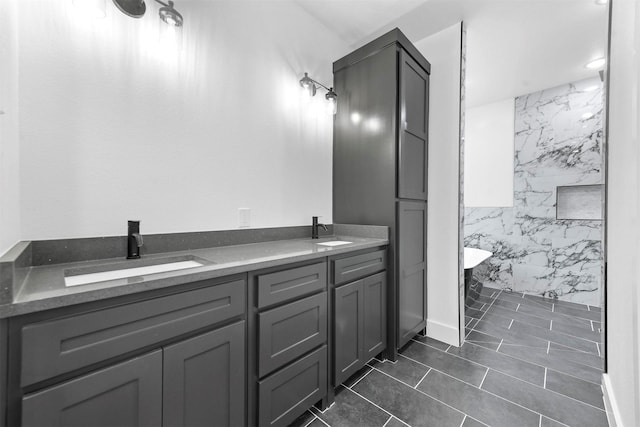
{"x": 406, "y": 403}
{"x": 479, "y": 404}
{"x": 458, "y": 367}
{"x": 550, "y": 404}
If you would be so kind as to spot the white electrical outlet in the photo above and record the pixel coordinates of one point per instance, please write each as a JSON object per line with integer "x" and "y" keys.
{"x": 244, "y": 217}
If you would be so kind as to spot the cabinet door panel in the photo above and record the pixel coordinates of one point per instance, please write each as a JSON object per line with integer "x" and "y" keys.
{"x": 349, "y": 320}
{"x": 375, "y": 315}
{"x": 414, "y": 97}
{"x": 204, "y": 379}
{"x": 412, "y": 262}
{"x": 127, "y": 394}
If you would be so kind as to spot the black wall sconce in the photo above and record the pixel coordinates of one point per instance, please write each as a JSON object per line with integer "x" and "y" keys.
{"x": 309, "y": 85}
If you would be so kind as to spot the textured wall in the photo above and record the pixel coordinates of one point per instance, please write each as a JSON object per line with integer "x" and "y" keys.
{"x": 115, "y": 125}
{"x": 557, "y": 143}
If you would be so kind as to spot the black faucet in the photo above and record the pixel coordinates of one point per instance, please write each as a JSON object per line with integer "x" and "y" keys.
{"x": 134, "y": 240}
{"x": 314, "y": 227}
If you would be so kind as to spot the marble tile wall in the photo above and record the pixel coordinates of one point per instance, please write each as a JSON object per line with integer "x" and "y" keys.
{"x": 558, "y": 138}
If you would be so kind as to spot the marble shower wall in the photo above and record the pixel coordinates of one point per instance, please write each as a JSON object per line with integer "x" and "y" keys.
{"x": 558, "y": 139}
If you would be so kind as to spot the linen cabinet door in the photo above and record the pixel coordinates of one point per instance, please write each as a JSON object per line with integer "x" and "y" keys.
{"x": 126, "y": 394}
{"x": 412, "y": 271}
{"x": 349, "y": 333}
{"x": 413, "y": 147}
{"x": 204, "y": 379}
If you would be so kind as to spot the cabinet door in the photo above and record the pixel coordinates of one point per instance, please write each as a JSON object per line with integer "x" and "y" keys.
{"x": 204, "y": 379}
{"x": 412, "y": 271}
{"x": 414, "y": 107}
{"x": 127, "y": 394}
{"x": 375, "y": 315}
{"x": 349, "y": 319}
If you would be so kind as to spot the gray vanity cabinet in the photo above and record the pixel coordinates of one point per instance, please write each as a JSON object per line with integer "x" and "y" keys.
{"x": 175, "y": 359}
{"x": 380, "y": 159}
{"x": 126, "y": 394}
{"x": 360, "y": 312}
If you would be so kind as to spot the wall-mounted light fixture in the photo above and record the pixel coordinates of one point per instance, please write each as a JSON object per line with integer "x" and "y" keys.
{"x": 309, "y": 85}
{"x": 133, "y": 8}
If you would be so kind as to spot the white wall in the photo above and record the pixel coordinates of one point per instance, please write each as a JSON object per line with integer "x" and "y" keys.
{"x": 488, "y": 155}
{"x": 443, "y": 52}
{"x": 622, "y": 381}
{"x": 115, "y": 128}
{"x": 9, "y": 142}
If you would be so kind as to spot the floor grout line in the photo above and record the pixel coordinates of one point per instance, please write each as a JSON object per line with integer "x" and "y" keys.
{"x": 483, "y": 378}
{"x": 422, "y": 379}
{"x": 312, "y": 419}
{"x": 362, "y": 377}
{"x": 422, "y": 392}
{"x": 378, "y": 406}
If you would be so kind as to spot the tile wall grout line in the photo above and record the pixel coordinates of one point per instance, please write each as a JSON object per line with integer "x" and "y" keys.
{"x": 388, "y": 419}
{"x": 548, "y": 346}
{"x": 517, "y": 307}
{"x": 544, "y": 385}
{"x": 499, "y": 345}
{"x": 551, "y": 325}
{"x": 510, "y": 324}
{"x": 553, "y": 308}
{"x": 539, "y": 423}
{"x": 463, "y": 420}
{"x": 422, "y": 379}
{"x": 592, "y": 330}
{"x": 598, "y": 347}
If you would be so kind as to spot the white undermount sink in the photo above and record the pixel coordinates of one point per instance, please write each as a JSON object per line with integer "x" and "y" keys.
{"x": 121, "y": 270}
{"x": 334, "y": 243}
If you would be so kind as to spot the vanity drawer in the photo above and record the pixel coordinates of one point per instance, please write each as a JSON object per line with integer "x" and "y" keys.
{"x": 290, "y": 331}
{"x": 355, "y": 267}
{"x": 285, "y": 395}
{"x": 285, "y": 285}
{"x": 62, "y": 345}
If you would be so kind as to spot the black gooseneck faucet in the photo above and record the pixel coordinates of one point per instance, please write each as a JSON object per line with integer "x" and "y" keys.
{"x": 314, "y": 227}
{"x": 134, "y": 240}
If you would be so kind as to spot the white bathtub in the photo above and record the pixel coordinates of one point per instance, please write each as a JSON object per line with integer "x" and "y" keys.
{"x": 474, "y": 257}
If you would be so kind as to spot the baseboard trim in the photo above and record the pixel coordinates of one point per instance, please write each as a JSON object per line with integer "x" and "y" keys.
{"x": 610, "y": 404}
{"x": 442, "y": 332}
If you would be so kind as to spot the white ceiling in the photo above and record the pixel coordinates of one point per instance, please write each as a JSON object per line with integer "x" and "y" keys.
{"x": 513, "y": 46}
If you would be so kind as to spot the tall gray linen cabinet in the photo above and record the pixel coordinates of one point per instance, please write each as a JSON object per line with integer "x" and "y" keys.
{"x": 380, "y": 166}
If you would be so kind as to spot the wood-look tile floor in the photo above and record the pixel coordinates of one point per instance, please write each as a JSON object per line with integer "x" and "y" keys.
{"x": 527, "y": 361}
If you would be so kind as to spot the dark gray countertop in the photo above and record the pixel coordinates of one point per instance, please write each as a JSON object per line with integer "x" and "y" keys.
{"x": 44, "y": 288}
